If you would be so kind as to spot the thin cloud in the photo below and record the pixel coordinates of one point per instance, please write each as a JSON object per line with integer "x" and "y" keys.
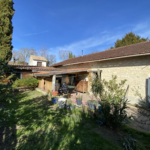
{"x": 103, "y": 40}
{"x": 86, "y": 44}
{"x": 29, "y": 34}
{"x": 140, "y": 26}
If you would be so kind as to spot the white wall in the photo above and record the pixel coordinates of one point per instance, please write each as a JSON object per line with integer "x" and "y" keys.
{"x": 30, "y": 61}
{"x": 35, "y": 63}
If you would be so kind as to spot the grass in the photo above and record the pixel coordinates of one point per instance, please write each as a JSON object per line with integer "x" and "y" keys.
{"x": 36, "y": 124}
{"x": 143, "y": 138}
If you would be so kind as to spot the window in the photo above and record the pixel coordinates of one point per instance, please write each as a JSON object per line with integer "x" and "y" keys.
{"x": 95, "y": 75}
{"x": 39, "y": 64}
{"x": 19, "y": 75}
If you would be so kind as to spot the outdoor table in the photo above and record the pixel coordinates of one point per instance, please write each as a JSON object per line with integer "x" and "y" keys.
{"x": 72, "y": 87}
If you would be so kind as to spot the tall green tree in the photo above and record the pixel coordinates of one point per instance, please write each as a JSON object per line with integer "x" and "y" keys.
{"x": 6, "y": 29}
{"x": 71, "y": 55}
{"x": 47, "y": 64}
{"x": 128, "y": 39}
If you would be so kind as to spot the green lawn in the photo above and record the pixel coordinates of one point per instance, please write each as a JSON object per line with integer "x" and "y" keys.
{"x": 38, "y": 125}
{"x": 143, "y": 139}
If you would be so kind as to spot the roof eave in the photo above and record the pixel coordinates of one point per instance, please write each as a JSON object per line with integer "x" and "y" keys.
{"x": 106, "y": 59}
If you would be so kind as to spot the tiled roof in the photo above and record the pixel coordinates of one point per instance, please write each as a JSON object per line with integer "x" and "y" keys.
{"x": 130, "y": 50}
{"x": 16, "y": 63}
{"x": 63, "y": 71}
{"x": 35, "y": 68}
{"x": 38, "y": 58}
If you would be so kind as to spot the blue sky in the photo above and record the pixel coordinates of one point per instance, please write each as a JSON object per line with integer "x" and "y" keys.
{"x": 76, "y": 25}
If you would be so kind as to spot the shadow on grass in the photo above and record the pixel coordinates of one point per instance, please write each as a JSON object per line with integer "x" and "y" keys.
{"x": 42, "y": 126}
{"x": 8, "y": 138}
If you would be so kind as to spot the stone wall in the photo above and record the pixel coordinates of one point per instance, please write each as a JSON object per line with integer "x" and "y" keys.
{"x": 136, "y": 70}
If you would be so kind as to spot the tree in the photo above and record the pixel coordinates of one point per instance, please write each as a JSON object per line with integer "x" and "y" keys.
{"x": 128, "y": 39}
{"x": 6, "y": 29}
{"x": 15, "y": 54}
{"x": 6, "y": 75}
{"x": 51, "y": 60}
{"x": 47, "y": 64}
{"x": 71, "y": 55}
{"x": 24, "y": 53}
{"x": 43, "y": 52}
{"x": 64, "y": 54}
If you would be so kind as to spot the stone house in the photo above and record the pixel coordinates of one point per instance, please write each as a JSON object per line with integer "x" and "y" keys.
{"x": 130, "y": 62}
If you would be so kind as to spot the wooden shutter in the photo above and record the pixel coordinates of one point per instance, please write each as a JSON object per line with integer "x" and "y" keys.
{"x": 39, "y": 64}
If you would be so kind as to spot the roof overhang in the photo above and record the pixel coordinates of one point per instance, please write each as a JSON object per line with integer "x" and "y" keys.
{"x": 107, "y": 59}
{"x": 51, "y": 73}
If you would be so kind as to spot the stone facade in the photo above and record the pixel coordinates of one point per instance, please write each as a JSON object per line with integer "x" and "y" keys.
{"x": 135, "y": 69}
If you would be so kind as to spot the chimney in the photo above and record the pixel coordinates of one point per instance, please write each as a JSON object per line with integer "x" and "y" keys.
{"x": 82, "y": 53}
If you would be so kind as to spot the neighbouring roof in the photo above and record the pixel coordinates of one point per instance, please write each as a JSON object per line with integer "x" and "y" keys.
{"x": 142, "y": 48}
{"x": 16, "y": 63}
{"x": 38, "y": 58}
{"x": 34, "y": 68}
{"x": 62, "y": 71}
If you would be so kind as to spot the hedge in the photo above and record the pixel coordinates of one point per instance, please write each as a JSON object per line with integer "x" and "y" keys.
{"x": 29, "y": 82}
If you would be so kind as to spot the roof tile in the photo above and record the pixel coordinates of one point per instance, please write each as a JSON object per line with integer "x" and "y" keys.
{"x": 134, "y": 49}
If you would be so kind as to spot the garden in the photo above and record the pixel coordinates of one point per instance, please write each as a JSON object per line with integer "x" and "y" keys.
{"x": 32, "y": 121}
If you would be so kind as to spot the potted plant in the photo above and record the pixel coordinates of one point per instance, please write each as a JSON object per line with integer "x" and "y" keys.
{"x": 49, "y": 94}
{"x": 92, "y": 104}
{"x": 61, "y": 104}
{"x": 79, "y": 100}
{"x": 72, "y": 106}
{"x": 67, "y": 106}
{"x": 54, "y": 99}
{"x": 55, "y": 93}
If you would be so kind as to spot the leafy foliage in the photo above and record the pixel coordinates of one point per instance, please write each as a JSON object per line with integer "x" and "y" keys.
{"x": 6, "y": 29}
{"x": 97, "y": 87}
{"x": 129, "y": 143}
{"x": 129, "y": 39}
{"x": 113, "y": 102}
{"x": 6, "y": 82}
{"x": 41, "y": 126}
{"x": 113, "y": 90}
{"x": 79, "y": 97}
{"x": 26, "y": 82}
{"x": 49, "y": 94}
{"x": 113, "y": 114}
{"x": 71, "y": 55}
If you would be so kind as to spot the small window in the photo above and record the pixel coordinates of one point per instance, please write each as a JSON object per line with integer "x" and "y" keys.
{"x": 39, "y": 64}
{"x": 95, "y": 75}
{"x": 19, "y": 75}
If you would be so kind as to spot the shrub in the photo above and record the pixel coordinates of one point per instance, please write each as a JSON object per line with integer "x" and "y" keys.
{"x": 6, "y": 93}
{"x": 113, "y": 101}
{"x": 29, "y": 82}
{"x": 97, "y": 87}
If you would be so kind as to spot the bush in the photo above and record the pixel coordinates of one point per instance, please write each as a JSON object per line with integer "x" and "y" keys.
{"x": 6, "y": 93}
{"x": 97, "y": 87}
{"x": 113, "y": 101}
{"x": 26, "y": 83}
